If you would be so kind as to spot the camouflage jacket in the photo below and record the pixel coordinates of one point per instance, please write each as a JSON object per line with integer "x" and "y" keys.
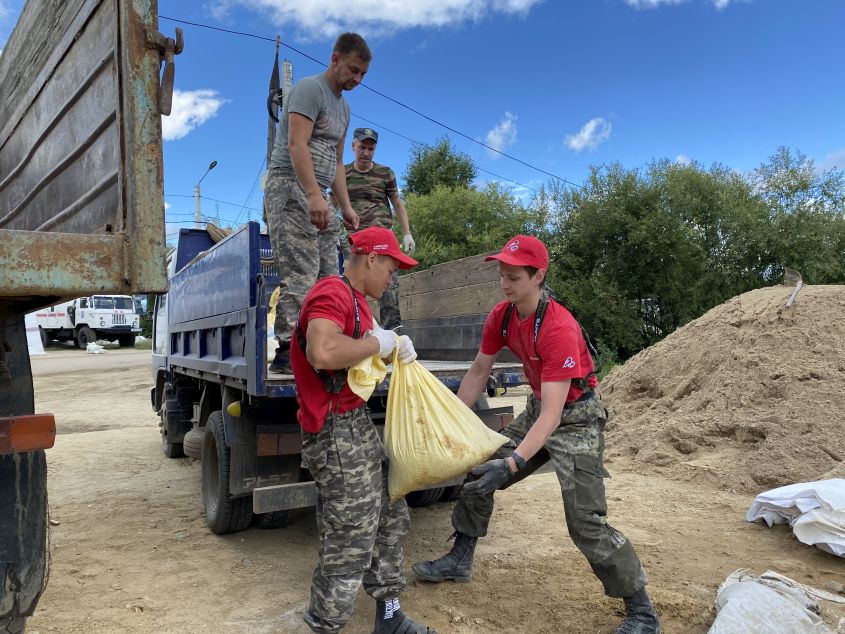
{"x": 370, "y": 192}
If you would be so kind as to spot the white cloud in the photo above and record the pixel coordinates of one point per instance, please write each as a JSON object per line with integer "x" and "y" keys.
{"x": 503, "y": 135}
{"x": 595, "y": 132}
{"x": 191, "y": 108}
{"x": 329, "y": 17}
{"x": 834, "y": 160}
{"x": 654, "y": 4}
{"x": 166, "y": 205}
{"x": 683, "y": 159}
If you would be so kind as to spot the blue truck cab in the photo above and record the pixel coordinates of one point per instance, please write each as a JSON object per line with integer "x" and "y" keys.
{"x": 218, "y": 403}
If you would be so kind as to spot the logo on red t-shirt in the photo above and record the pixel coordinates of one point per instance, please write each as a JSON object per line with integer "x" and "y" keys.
{"x": 569, "y": 363}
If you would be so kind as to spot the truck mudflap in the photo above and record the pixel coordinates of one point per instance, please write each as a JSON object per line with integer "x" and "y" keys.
{"x": 23, "y": 533}
{"x": 23, "y": 477}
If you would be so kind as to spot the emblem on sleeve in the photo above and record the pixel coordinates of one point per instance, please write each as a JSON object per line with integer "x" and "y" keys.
{"x": 569, "y": 363}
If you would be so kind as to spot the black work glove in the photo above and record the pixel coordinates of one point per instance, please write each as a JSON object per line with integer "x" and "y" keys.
{"x": 491, "y": 475}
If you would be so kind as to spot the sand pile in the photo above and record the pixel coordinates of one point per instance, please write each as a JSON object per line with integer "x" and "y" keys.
{"x": 749, "y": 396}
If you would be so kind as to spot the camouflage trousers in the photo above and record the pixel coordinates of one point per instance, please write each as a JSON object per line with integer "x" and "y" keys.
{"x": 389, "y": 317}
{"x": 360, "y": 529}
{"x": 576, "y": 449}
{"x": 301, "y": 252}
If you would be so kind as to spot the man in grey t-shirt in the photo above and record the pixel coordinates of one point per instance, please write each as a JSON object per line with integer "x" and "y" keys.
{"x": 307, "y": 159}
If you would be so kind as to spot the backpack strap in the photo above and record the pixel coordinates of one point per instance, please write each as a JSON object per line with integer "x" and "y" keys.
{"x": 547, "y": 295}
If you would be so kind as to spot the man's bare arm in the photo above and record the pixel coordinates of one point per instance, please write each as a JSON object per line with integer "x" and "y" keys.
{"x": 327, "y": 348}
{"x": 475, "y": 380}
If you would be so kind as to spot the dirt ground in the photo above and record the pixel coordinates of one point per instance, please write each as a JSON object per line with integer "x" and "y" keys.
{"x": 131, "y": 552}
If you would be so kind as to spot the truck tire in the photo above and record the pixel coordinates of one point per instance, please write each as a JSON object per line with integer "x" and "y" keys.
{"x": 450, "y": 494}
{"x": 85, "y": 336}
{"x": 426, "y": 497}
{"x": 274, "y": 519}
{"x": 45, "y": 338}
{"x": 223, "y": 513}
{"x": 126, "y": 341}
{"x": 192, "y": 444}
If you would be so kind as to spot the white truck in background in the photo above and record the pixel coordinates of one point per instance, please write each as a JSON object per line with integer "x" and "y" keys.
{"x": 86, "y": 319}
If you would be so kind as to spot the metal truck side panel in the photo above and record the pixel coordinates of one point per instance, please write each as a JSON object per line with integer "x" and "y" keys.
{"x": 220, "y": 281}
{"x": 80, "y": 149}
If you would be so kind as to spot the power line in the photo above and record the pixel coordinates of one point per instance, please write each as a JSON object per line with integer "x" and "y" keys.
{"x": 223, "y": 202}
{"x": 381, "y": 94}
{"x": 426, "y": 145}
{"x": 252, "y": 189}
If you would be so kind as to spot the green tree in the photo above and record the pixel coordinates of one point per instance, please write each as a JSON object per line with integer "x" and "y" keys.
{"x": 638, "y": 253}
{"x": 807, "y": 216}
{"x": 437, "y": 165}
{"x": 456, "y": 223}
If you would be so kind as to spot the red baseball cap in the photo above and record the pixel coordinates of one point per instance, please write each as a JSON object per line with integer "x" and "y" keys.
{"x": 382, "y": 241}
{"x": 523, "y": 251}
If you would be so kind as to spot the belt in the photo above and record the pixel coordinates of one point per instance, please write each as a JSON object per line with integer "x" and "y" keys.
{"x": 586, "y": 396}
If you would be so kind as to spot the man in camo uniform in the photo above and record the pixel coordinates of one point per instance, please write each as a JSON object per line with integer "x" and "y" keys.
{"x": 563, "y": 417}
{"x": 360, "y": 528}
{"x": 372, "y": 190}
{"x": 306, "y": 160}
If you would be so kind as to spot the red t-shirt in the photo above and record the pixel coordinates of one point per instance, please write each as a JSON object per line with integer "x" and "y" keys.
{"x": 560, "y": 345}
{"x": 329, "y": 299}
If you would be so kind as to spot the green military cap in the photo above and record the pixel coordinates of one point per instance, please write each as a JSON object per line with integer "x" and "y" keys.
{"x": 364, "y": 133}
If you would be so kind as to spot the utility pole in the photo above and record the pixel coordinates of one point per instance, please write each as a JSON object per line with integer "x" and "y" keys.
{"x": 197, "y": 210}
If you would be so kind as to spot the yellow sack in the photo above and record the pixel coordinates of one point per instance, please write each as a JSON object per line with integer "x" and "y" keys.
{"x": 365, "y": 375}
{"x": 429, "y": 434}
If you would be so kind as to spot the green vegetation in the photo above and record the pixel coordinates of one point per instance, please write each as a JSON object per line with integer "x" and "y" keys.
{"x": 637, "y": 253}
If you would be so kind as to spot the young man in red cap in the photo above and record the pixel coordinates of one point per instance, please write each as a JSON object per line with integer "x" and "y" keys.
{"x": 360, "y": 529}
{"x": 563, "y": 416}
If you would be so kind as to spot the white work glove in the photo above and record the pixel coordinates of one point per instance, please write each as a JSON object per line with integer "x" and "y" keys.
{"x": 386, "y": 340}
{"x": 406, "y": 349}
{"x": 408, "y": 243}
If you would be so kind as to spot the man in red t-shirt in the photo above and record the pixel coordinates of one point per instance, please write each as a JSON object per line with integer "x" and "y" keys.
{"x": 563, "y": 416}
{"x": 360, "y": 529}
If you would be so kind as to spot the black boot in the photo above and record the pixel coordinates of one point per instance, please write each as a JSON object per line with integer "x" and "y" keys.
{"x": 390, "y": 619}
{"x": 640, "y": 617}
{"x": 281, "y": 362}
{"x": 456, "y": 565}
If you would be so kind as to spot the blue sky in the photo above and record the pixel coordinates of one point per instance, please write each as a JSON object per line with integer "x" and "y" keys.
{"x": 560, "y": 85}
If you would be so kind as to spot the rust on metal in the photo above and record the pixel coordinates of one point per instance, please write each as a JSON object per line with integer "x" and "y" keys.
{"x": 80, "y": 150}
{"x": 38, "y": 263}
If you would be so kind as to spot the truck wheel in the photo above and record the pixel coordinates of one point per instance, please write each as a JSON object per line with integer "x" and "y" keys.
{"x": 45, "y": 338}
{"x": 85, "y": 336}
{"x": 451, "y": 493}
{"x": 426, "y": 497}
{"x": 126, "y": 341}
{"x": 192, "y": 444}
{"x": 223, "y": 513}
{"x": 274, "y": 519}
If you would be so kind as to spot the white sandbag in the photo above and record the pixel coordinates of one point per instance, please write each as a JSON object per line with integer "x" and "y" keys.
{"x": 93, "y": 348}
{"x": 33, "y": 336}
{"x": 815, "y": 510}
{"x": 770, "y": 604}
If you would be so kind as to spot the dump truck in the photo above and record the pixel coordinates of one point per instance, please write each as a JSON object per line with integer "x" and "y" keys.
{"x": 81, "y": 215}
{"x": 85, "y": 320}
{"x": 216, "y": 400}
